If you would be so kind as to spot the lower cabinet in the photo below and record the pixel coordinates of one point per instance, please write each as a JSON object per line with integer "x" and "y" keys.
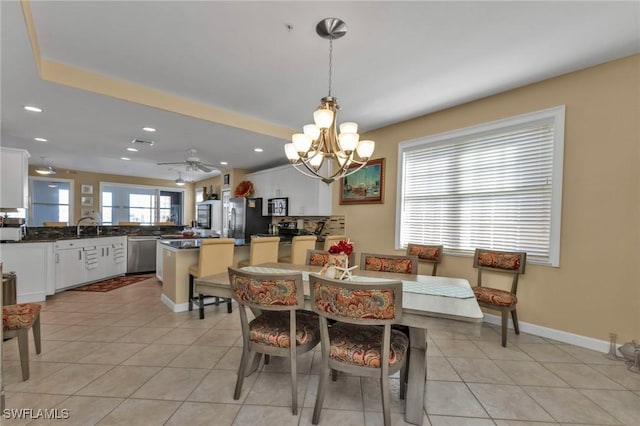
{"x": 89, "y": 260}
{"x": 34, "y": 266}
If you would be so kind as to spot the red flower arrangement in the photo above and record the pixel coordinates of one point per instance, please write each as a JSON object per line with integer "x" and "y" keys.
{"x": 342, "y": 247}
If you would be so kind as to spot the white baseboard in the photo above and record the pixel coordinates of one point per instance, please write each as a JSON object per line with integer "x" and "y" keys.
{"x": 175, "y": 307}
{"x": 36, "y": 296}
{"x": 550, "y": 333}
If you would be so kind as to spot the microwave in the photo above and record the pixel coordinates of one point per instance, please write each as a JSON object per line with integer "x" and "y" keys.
{"x": 278, "y": 206}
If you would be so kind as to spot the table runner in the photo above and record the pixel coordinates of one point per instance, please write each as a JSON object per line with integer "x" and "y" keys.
{"x": 407, "y": 285}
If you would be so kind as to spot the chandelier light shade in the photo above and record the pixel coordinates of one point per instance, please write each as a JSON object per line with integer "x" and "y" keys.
{"x": 321, "y": 142}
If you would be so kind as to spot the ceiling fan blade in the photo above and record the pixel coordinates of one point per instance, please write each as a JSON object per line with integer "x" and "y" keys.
{"x": 203, "y": 168}
{"x": 170, "y": 164}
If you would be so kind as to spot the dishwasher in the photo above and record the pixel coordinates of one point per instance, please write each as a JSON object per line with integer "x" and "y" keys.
{"x": 141, "y": 254}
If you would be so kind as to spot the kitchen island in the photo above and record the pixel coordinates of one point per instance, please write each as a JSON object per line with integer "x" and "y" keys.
{"x": 174, "y": 259}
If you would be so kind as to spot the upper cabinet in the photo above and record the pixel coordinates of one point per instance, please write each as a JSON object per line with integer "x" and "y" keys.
{"x": 307, "y": 196}
{"x": 14, "y": 178}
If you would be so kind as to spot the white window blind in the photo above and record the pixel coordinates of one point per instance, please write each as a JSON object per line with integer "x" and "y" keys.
{"x": 496, "y": 186}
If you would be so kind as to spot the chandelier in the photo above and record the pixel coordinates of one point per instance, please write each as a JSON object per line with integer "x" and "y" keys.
{"x": 321, "y": 142}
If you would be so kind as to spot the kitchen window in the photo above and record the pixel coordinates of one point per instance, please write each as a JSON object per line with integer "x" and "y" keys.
{"x": 496, "y": 185}
{"x": 138, "y": 203}
{"x": 50, "y": 200}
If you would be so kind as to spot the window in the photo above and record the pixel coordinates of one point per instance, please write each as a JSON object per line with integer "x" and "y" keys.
{"x": 497, "y": 185}
{"x": 50, "y": 200}
{"x": 144, "y": 204}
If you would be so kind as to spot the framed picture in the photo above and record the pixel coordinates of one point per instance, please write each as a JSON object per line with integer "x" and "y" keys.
{"x": 366, "y": 186}
{"x": 86, "y": 212}
{"x": 86, "y": 201}
{"x": 86, "y": 189}
{"x": 225, "y": 180}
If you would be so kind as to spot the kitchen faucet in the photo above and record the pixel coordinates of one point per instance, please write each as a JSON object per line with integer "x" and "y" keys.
{"x": 87, "y": 218}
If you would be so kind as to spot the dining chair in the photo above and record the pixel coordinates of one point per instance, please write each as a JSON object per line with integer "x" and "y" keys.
{"x": 511, "y": 263}
{"x": 360, "y": 340}
{"x": 389, "y": 263}
{"x": 262, "y": 250}
{"x": 16, "y": 321}
{"x": 321, "y": 258}
{"x": 299, "y": 246}
{"x": 330, "y": 240}
{"x": 281, "y": 327}
{"x": 215, "y": 256}
{"x": 426, "y": 254}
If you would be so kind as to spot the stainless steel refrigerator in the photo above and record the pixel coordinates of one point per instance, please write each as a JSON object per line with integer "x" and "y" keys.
{"x": 246, "y": 219}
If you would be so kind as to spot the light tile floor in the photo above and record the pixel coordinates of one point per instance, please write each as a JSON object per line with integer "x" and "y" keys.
{"x": 122, "y": 358}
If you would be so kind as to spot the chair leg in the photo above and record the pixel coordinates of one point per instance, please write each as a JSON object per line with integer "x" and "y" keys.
{"x": 386, "y": 400}
{"x": 404, "y": 376}
{"x": 334, "y": 375}
{"x": 36, "y": 335}
{"x": 266, "y": 359}
{"x": 514, "y": 317}
{"x": 241, "y": 371}
{"x": 505, "y": 321}
{"x": 294, "y": 383}
{"x": 229, "y": 307}
{"x": 190, "y": 292}
{"x": 322, "y": 386}
{"x": 201, "y": 306}
{"x": 23, "y": 348}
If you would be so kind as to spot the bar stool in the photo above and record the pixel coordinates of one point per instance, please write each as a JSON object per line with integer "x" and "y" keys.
{"x": 299, "y": 247}
{"x": 16, "y": 321}
{"x": 330, "y": 240}
{"x": 216, "y": 255}
{"x": 262, "y": 250}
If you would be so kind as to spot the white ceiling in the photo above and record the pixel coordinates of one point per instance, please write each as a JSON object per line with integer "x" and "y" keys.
{"x": 399, "y": 60}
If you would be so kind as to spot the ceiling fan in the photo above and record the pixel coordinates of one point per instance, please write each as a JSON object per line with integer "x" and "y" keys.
{"x": 192, "y": 162}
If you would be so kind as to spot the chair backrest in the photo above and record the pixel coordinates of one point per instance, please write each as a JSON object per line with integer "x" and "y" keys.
{"x": 508, "y": 262}
{"x": 426, "y": 254}
{"x": 126, "y": 223}
{"x": 216, "y": 255}
{"x": 270, "y": 292}
{"x": 164, "y": 223}
{"x": 366, "y": 303}
{"x": 330, "y": 240}
{"x": 389, "y": 263}
{"x": 321, "y": 258}
{"x": 299, "y": 247}
{"x": 263, "y": 250}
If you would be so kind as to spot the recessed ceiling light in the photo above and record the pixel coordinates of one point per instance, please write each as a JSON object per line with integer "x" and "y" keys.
{"x": 132, "y": 149}
{"x": 40, "y": 139}
{"x": 125, "y": 158}
{"x": 32, "y": 108}
{"x": 224, "y": 163}
{"x": 258, "y": 149}
{"x": 149, "y": 129}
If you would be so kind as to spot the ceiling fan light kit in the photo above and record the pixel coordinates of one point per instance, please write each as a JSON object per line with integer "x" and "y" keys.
{"x": 321, "y": 141}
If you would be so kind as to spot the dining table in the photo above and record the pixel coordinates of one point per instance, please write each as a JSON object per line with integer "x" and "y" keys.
{"x": 424, "y": 297}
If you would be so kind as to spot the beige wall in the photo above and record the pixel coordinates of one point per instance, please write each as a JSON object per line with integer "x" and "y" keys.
{"x": 87, "y": 178}
{"x": 596, "y": 289}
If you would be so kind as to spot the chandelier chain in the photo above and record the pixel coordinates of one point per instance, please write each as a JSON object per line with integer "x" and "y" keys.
{"x": 330, "y": 62}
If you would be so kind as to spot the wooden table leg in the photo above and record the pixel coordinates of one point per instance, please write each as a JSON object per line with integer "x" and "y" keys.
{"x": 417, "y": 376}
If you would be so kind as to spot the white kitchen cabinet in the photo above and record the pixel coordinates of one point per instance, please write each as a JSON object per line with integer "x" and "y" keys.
{"x": 88, "y": 260}
{"x": 34, "y": 266}
{"x": 14, "y": 179}
{"x": 70, "y": 267}
{"x": 307, "y": 196}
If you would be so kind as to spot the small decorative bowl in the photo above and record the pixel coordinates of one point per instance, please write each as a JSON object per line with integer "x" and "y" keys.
{"x": 188, "y": 234}
{"x": 628, "y": 350}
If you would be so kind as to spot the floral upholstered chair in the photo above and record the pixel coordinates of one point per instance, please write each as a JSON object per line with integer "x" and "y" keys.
{"x": 426, "y": 254}
{"x": 389, "y": 263}
{"x": 360, "y": 341}
{"x": 281, "y": 328}
{"x": 16, "y": 321}
{"x": 505, "y": 262}
{"x": 321, "y": 258}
